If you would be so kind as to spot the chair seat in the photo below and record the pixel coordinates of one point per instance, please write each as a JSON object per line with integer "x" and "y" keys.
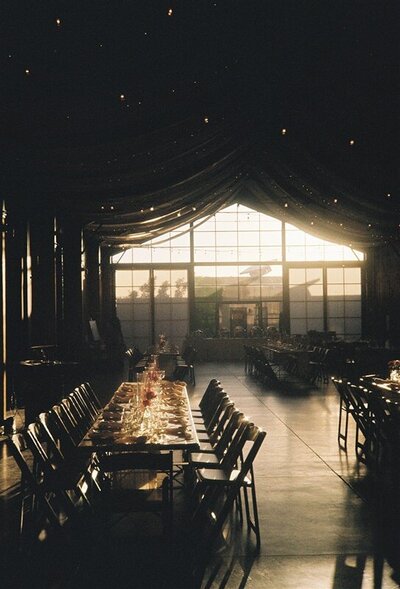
{"x": 217, "y": 476}
{"x": 205, "y": 445}
{"x": 205, "y": 458}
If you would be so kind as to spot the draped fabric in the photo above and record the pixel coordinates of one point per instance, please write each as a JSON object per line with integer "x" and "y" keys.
{"x": 126, "y": 192}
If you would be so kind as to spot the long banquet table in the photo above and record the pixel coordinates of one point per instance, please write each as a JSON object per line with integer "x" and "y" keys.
{"x": 166, "y": 423}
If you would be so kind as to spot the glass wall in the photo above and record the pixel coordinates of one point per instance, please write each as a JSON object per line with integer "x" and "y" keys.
{"x": 306, "y": 297}
{"x": 133, "y": 304}
{"x": 245, "y": 272}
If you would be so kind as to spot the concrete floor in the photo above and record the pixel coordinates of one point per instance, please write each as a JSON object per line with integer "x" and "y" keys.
{"x": 325, "y": 524}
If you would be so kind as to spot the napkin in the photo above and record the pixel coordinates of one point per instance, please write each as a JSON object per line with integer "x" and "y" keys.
{"x": 174, "y": 430}
{"x": 111, "y": 416}
{"x": 114, "y": 407}
{"x": 101, "y": 435}
{"x": 122, "y": 398}
{"x": 109, "y": 425}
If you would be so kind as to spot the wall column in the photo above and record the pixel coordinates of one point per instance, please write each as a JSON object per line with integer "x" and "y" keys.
{"x": 69, "y": 288}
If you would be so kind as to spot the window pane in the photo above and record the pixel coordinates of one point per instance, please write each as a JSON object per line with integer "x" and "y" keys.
{"x": 270, "y": 238}
{"x": 179, "y": 310}
{"x": 314, "y": 275}
{"x": 298, "y": 326}
{"x": 353, "y": 326}
{"x": 335, "y": 290}
{"x": 226, "y": 239}
{"x": 298, "y": 293}
{"x": 297, "y": 276}
{"x": 123, "y": 293}
{"x": 124, "y": 312}
{"x": 336, "y": 324}
{"x": 179, "y": 288}
{"x": 162, "y": 277}
{"x": 123, "y": 277}
{"x": 297, "y": 310}
{"x": 141, "y": 255}
{"x": 204, "y": 239}
{"x": 316, "y": 324}
{"x": 352, "y": 308}
{"x": 162, "y": 311}
{"x": 161, "y": 255}
{"x": 334, "y": 275}
{"x": 205, "y": 254}
{"x": 247, "y": 254}
{"x": 141, "y": 309}
{"x": 352, "y": 275}
{"x": 315, "y": 291}
{"x": 315, "y": 310}
{"x": 226, "y": 254}
{"x": 249, "y": 292}
{"x": 140, "y": 277}
{"x": 273, "y": 254}
{"x": 228, "y": 225}
{"x": 249, "y": 238}
{"x": 352, "y": 290}
{"x": 336, "y": 308}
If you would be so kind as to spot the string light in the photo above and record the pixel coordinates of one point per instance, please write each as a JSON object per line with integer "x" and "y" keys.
{"x": 58, "y": 22}
{"x": 351, "y": 142}
{"x": 170, "y": 12}
{"x": 28, "y": 72}
{"x": 206, "y": 120}
{"x": 283, "y": 131}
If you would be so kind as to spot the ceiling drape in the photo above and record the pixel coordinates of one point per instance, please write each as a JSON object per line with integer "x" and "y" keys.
{"x": 126, "y": 192}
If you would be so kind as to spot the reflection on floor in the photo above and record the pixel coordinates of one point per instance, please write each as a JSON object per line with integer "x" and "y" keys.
{"x": 324, "y": 524}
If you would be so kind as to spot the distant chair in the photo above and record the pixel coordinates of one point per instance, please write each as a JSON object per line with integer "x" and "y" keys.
{"x": 134, "y": 356}
{"x": 185, "y": 367}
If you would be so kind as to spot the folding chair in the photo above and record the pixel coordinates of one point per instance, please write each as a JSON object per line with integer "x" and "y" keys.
{"x": 346, "y": 409}
{"x": 218, "y": 488}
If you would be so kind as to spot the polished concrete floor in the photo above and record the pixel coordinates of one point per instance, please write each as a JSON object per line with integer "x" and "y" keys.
{"x": 326, "y": 524}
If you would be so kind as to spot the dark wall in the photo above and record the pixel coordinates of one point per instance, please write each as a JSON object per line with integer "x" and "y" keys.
{"x": 43, "y": 293}
{"x": 382, "y": 296}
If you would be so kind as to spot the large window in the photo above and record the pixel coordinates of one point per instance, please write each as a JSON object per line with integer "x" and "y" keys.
{"x": 245, "y": 272}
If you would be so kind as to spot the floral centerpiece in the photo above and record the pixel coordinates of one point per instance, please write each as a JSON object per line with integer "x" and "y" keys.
{"x": 394, "y": 370}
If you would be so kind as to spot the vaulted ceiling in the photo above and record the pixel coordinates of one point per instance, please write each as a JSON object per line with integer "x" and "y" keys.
{"x": 139, "y": 117}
